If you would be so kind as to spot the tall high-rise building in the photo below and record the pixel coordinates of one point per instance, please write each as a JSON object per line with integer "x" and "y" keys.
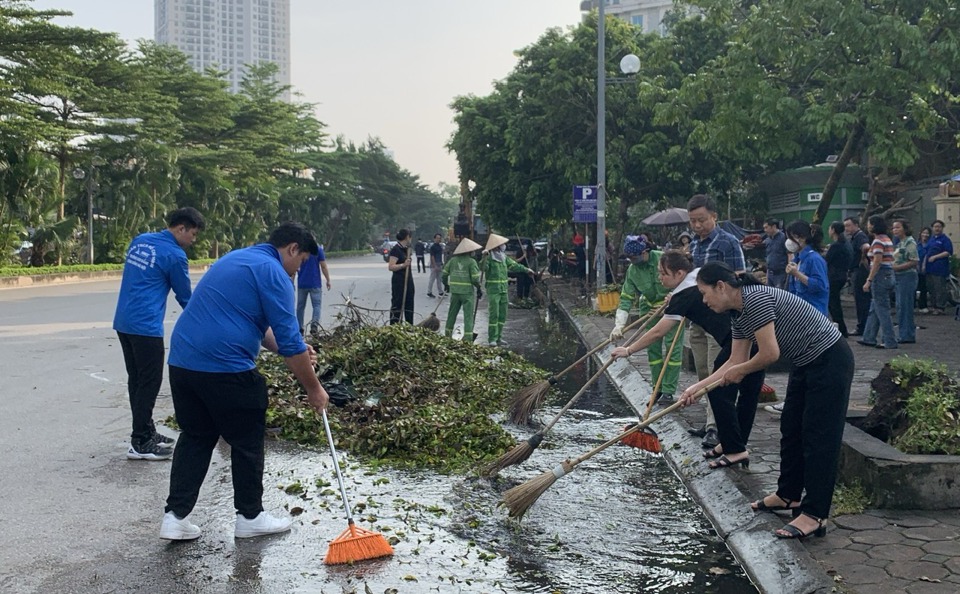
{"x": 227, "y": 34}
{"x": 647, "y": 14}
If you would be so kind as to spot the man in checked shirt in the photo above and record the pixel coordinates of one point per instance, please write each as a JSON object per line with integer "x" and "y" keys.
{"x": 710, "y": 243}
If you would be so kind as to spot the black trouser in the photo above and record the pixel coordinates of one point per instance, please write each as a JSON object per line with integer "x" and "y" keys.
{"x": 811, "y": 429}
{"x": 143, "y": 357}
{"x": 922, "y": 288}
{"x": 210, "y": 406}
{"x": 421, "y": 265}
{"x": 396, "y": 285}
{"x": 734, "y": 415}
{"x": 861, "y": 298}
{"x": 834, "y": 306}
{"x": 524, "y": 282}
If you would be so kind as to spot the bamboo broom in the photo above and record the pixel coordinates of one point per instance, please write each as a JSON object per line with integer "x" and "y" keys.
{"x": 524, "y": 449}
{"x": 527, "y": 400}
{"x": 354, "y": 543}
{"x": 520, "y": 498}
{"x": 406, "y": 285}
{"x": 432, "y": 322}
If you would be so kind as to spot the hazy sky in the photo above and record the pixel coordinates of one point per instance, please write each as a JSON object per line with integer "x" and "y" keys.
{"x": 386, "y": 68}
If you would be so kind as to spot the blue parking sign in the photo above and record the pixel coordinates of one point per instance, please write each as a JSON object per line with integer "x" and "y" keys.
{"x": 584, "y": 204}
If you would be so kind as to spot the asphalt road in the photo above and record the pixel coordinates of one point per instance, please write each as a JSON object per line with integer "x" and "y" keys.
{"x": 67, "y": 493}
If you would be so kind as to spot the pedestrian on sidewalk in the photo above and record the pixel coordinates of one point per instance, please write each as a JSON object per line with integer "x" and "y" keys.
{"x": 642, "y": 287}
{"x": 419, "y": 249}
{"x": 309, "y": 285}
{"x": 734, "y": 405}
{"x": 155, "y": 264}
{"x": 937, "y": 267}
{"x": 710, "y": 244}
{"x": 922, "y": 243}
{"x": 906, "y": 259}
{"x": 241, "y": 304}
{"x": 461, "y": 277}
{"x": 494, "y": 269}
{"x": 859, "y": 243}
{"x": 436, "y": 266}
{"x": 401, "y": 283}
{"x": 818, "y": 387}
{"x": 839, "y": 256}
{"x": 776, "y": 253}
{"x": 880, "y": 283}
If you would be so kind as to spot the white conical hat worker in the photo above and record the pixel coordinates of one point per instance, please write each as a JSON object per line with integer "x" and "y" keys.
{"x": 466, "y": 246}
{"x": 494, "y": 241}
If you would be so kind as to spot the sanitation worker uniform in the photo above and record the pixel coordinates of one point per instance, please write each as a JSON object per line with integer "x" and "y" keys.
{"x": 495, "y": 267}
{"x": 461, "y": 279}
{"x": 641, "y": 286}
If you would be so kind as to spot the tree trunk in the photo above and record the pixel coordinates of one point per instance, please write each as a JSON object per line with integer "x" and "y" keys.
{"x": 853, "y": 141}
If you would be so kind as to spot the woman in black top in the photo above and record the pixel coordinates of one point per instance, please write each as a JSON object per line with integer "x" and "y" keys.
{"x": 839, "y": 258}
{"x": 734, "y": 416}
{"x": 818, "y": 389}
{"x": 399, "y": 264}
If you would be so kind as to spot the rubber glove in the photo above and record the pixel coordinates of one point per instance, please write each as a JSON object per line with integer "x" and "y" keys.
{"x": 619, "y": 324}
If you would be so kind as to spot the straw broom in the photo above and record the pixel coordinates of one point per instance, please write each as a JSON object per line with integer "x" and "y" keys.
{"x": 527, "y": 400}
{"x": 432, "y": 322}
{"x": 523, "y": 450}
{"x": 354, "y": 543}
{"x": 406, "y": 285}
{"x": 520, "y": 498}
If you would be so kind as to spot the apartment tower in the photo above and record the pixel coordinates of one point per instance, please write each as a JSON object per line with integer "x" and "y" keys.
{"x": 227, "y": 34}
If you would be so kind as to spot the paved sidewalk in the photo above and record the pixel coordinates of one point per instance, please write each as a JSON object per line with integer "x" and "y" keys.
{"x": 878, "y": 551}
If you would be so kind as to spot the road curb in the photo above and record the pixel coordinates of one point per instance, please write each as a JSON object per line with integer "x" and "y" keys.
{"x": 775, "y": 566}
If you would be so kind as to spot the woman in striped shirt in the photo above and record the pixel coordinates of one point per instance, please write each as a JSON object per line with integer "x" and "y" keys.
{"x": 818, "y": 389}
{"x": 880, "y": 283}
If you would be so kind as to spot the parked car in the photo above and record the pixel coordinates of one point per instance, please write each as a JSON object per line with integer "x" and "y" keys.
{"x": 541, "y": 244}
{"x": 385, "y": 248}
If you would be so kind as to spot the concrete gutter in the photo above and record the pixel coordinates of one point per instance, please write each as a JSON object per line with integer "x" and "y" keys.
{"x": 775, "y": 566}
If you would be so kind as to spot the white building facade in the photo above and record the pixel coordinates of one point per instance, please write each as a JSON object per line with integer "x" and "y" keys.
{"x": 647, "y": 14}
{"x": 227, "y": 34}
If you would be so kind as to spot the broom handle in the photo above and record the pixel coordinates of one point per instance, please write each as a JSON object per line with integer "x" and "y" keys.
{"x": 439, "y": 303}
{"x": 630, "y": 326}
{"x": 638, "y": 427}
{"x": 585, "y": 386}
{"x": 406, "y": 281}
{"x": 336, "y": 466}
{"x": 663, "y": 370}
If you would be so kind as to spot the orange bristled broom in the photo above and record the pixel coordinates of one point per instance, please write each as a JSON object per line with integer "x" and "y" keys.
{"x": 354, "y": 543}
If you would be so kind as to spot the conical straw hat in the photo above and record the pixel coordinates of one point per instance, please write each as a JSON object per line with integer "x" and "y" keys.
{"x": 466, "y": 246}
{"x": 494, "y": 241}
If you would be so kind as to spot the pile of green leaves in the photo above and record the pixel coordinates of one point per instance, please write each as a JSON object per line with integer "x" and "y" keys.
{"x": 932, "y": 407}
{"x": 434, "y": 397}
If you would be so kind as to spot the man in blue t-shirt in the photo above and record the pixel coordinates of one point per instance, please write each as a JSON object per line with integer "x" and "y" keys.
{"x": 243, "y": 302}
{"x": 775, "y": 243}
{"x": 308, "y": 285}
{"x": 155, "y": 264}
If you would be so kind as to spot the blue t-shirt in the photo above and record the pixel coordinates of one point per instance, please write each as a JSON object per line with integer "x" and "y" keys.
{"x": 937, "y": 245}
{"x": 155, "y": 264}
{"x": 817, "y": 290}
{"x": 243, "y": 294}
{"x": 309, "y": 275}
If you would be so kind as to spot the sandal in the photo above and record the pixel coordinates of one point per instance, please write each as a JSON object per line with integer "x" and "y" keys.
{"x": 759, "y": 505}
{"x": 724, "y": 462}
{"x": 711, "y": 454}
{"x": 790, "y": 531}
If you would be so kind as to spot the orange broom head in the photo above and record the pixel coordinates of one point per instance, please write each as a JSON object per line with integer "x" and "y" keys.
{"x": 644, "y": 439}
{"x": 356, "y": 544}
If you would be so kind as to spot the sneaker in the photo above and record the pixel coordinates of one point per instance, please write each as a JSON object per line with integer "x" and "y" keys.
{"x": 174, "y": 528}
{"x": 432, "y": 296}
{"x": 163, "y": 439}
{"x": 774, "y": 408}
{"x": 314, "y": 328}
{"x": 924, "y": 310}
{"x": 150, "y": 450}
{"x": 262, "y": 525}
{"x": 665, "y": 399}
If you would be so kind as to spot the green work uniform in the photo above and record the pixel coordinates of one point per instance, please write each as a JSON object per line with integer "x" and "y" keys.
{"x": 496, "y": 285}
{"x": 462, "y": 274}
{"x": 642, "y": 284}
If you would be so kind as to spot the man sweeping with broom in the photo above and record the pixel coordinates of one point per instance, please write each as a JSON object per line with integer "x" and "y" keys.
{"x": 495, "y": 268}
{"x": 642, "y": 285}
{"x": 461, "y": 279}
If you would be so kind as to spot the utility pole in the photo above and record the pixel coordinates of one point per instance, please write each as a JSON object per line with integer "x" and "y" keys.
{"x": 601, "y": 247}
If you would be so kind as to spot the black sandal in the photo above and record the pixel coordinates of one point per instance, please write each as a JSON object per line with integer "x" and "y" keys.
{"x": 724, "y": 462}
{"x": 759, "y": 505}
{"x": 711, "y": 454}
{"x": 792, "y": 532}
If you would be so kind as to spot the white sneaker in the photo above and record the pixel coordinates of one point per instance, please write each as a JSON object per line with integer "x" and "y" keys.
{"x": 774, "y": 408}
{"x": 260, "y": 526}
{"x": 174, "y": 528}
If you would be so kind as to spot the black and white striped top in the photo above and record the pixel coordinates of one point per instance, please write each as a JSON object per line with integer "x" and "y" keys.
{"x": 802, "y": 332}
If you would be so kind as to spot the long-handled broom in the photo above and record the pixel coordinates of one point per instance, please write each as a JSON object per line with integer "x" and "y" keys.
{"x": 527, "y": 400}
{"x": 476, "y": 303}
{"x": 524, "y": 449}
{"x": 354, "y": 543}
{"x": 406, "y": 285}
{"x": 520, "y": 498}
{"x": 432, "y": 322}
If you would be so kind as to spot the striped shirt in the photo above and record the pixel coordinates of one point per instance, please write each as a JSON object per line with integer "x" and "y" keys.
{"x": 882, "y": 245}
{"x": 802, "y": 332}
{"x": 718, "y": 245}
